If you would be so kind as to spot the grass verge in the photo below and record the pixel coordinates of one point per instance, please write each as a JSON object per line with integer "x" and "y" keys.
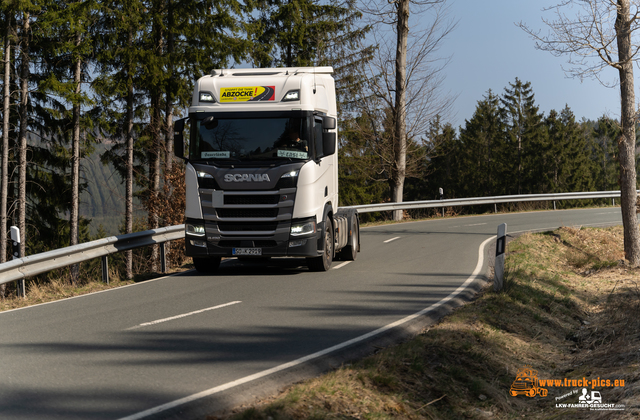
{"x": 57, "y": 288}
{"x": 570, "y": 309}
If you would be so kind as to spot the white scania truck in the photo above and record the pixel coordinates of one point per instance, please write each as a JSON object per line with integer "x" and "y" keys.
{"x": 262, "y": 169}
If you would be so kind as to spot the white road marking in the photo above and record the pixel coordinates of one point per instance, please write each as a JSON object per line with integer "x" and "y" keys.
{"x": 341, "y": 265}
{"x": 392, "y": 239}
{"x": 159, "y": 321}
{"x": 305, "y": 359}
{"x": 477, "y": 224}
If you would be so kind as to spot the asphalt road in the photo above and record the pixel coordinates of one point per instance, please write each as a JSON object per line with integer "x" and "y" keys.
{"x": 125, "y": 352}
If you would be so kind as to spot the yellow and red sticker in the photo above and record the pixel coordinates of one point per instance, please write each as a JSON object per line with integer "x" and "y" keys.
{"x": 247, "y": 94}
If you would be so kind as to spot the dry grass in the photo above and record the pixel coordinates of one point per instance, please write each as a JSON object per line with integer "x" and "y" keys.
{"x": 52, "y": 290}
{"x": 572, "y": 310}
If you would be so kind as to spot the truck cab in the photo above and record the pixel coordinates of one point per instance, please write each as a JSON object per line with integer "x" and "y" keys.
{"x": 261, "y": 174}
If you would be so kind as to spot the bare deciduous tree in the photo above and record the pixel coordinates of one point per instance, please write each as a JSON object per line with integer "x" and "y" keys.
{"x": 600, "y": 35}
{"x": 406, "y": 76}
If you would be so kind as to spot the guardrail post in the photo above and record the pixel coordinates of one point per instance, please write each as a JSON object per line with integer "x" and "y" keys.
{"x": 105, "y": 269}
{"x": 15, "y": 242}
{"x": 554, "y": 204}
{"x": 501, "y": 245}
{"x": 163, "y": 257}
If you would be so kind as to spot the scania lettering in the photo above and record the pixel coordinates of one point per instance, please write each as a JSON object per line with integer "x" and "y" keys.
{"x": 246, "y": 177}
{"x": 262, "y": 170}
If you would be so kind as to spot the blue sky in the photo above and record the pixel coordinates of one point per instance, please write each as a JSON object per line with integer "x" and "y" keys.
{"x": 489, "y": 51}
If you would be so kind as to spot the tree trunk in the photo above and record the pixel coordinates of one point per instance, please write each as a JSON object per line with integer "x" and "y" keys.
{"x": 75, "y": 168}
{"x": 400, "y": 128}
{"x": 627, "y": 142}
{"x": 4, "y": 178}
{"x": 169, "y": 109}
{"x": 154, "y": 188}
{"x": 22, "y": 142}
{"x": 157, "y": 146}
{"x": 128, "y": 217}
{"x": 168, "y": 125}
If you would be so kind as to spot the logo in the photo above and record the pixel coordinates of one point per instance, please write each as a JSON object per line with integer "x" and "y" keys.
{"x": 246, "y": 178}
{"x": 594, "y": 398}
{"x": 591, "y": 401}
{"x": 247, "y": 94}
{"x": 527, "y": 383}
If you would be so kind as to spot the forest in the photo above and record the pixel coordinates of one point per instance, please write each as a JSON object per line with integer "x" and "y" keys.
{"x": 91, "y": 90}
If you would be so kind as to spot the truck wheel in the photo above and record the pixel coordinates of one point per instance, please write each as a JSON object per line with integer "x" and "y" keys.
{"x": 350, "y": 252}
{"x": 207, "y": 265}
{"x": 323, "y": 262}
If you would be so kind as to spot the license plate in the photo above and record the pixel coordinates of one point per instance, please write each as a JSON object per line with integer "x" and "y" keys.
{"x": 247, "y": 251}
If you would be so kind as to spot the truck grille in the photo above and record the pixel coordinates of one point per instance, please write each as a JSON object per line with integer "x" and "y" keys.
{"x": 238, "y": 213}
{"x": 247, "y": 227}
{"x": 251, "y": 199}
{"x": 238, "y": 244}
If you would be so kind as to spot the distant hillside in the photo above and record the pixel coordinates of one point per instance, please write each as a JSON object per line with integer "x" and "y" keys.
{"x": 104, "y": 200}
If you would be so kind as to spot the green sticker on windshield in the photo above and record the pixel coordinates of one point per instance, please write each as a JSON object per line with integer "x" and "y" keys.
{"x": 292, "y": 154}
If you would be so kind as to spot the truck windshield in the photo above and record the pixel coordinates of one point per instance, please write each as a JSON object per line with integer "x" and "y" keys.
{"x": 250, "y": 139}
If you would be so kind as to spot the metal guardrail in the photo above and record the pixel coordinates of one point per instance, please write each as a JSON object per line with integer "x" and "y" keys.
{"x": 32, "y": 265}
{"x": 368, "y": 208}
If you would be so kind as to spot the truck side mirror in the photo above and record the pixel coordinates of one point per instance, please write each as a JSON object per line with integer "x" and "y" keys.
{"x": 328, "y": 143}
{"x": 178, "y": 138}
{"x": 328, "y": 123}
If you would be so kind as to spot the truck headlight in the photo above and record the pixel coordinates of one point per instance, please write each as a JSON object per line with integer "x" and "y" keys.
{"x": 288, "y": 179}
{"x": 292, "y": 95}
{"x": 202, "y": 174}
{"x": 304, "y": 228}
{"x": 206, "y": 97}
{"x": 194, "y": 230}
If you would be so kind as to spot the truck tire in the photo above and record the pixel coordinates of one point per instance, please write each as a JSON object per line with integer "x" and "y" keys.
{"x": 207, "y": 265}
{"x": 323, "y": 262}
{"x": 350, "y": 252}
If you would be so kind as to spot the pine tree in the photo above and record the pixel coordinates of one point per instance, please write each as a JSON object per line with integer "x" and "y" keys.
{"x": 445, "y": 158}
{"x": 118, "y": 63}
{"x": 362, "y": 179}
{"x": 24, "y": 34}
{"x": 482, "y": 147}
{"x": 605, "y": 135}
{"x": 7, "y": 54}
{"x": 298, "y": 33}
{"x": 66, "y": 51}
{"x": 525, "y": 136}
{"x": 347, "y": 52}
{"x": 567, "y": 161}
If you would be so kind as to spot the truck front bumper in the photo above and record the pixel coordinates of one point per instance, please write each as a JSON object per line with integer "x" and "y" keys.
{"x": 280, "y": 244}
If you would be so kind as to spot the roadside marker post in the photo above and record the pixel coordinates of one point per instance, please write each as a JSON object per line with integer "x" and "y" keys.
{"x": 15, "y": 252}
{"x": 105, "y": 269}
{"x": 501, "y": 246}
